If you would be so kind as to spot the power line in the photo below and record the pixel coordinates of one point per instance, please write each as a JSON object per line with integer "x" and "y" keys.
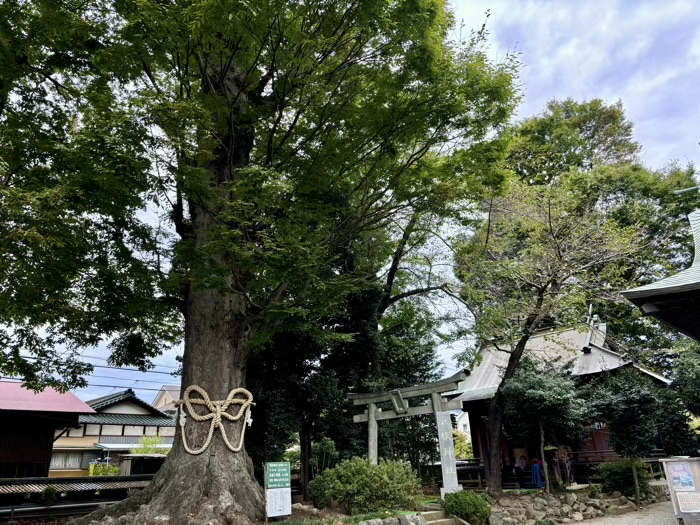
{"x": 18, "y": 380}
{"x": 127, "y": 379}
{"x": 113, "y": 367}
{"x": 157, "y": 365}
{"x": 132, "y": 369}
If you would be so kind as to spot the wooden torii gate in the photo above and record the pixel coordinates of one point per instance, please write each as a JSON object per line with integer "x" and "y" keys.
{"x": 436, "y": 404}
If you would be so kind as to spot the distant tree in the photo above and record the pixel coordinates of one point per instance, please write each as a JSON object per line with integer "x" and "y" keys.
{"x": 581, "y": 136}
{"x": 463, "y": 447}
{"x": 151, "y": 445}
{"x": 686, "y": 374}
{"x": 678, "y": 438}
{"x": 571, "y": 135}
{"x": 630, "y": 405}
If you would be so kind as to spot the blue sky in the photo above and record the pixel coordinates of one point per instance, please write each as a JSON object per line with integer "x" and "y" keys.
{"x": 645, "y": 53}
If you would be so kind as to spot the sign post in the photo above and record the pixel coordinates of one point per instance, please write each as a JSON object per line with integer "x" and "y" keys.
{"x": 278, "y": 489}
{"x": 683, "y": 478}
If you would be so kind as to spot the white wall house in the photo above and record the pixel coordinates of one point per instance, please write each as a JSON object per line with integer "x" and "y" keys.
{"x": 120, "y": 421}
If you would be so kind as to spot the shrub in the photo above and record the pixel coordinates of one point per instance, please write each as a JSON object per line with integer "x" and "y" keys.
{"x": 317, "y": 491}
{"x": 546, "y": 522}
{"x": 617, "y": 476}
{"x": 151, "y": 445}
{"x": 49, "y": 496}
{"x": 361, "y": 487}
{"x": 103, "y": 469}
{"x": 469, "y": 506}
{"x": 594, "y": 490}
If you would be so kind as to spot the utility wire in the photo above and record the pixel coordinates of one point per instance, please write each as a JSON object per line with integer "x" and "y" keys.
{"x": 112, "y": 367}
{"x": 18, "y": 380}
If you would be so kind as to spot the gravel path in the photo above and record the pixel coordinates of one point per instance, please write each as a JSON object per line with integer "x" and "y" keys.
{"x": 656, "y": 514}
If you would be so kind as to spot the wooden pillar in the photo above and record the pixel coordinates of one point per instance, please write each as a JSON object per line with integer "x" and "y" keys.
{"x": 373, "y": 434}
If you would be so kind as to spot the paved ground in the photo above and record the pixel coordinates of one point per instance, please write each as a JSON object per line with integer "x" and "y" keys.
{"x": 656, "y": 514}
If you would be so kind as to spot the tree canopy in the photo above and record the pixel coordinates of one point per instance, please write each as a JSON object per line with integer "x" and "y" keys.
{"x": 540, "y": 395}
{"x": 224, "y": 172}
{"x": 572, "y": 135}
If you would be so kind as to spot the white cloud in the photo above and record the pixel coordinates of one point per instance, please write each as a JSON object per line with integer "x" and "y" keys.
{"x": 644, "y": 53}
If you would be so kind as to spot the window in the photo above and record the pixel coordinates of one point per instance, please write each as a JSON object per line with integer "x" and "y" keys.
{"x": 66, "y": 460}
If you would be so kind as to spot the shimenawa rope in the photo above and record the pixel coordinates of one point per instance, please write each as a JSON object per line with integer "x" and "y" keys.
{"x": 217, "y": 411}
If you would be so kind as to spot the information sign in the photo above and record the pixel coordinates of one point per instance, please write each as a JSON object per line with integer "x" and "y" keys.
{"x": 683, "y": 477}
{"x": 278, "y": 489}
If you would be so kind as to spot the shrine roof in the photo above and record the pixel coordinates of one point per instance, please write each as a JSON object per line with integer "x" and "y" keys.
{"x": 561, "y": 347}
{"x": 675, "y": 300}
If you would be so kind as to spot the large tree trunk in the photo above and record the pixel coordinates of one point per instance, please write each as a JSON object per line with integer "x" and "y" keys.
{"x": 495, "y": 468}
{"x": 216, "y": 487}
{"x": 497, "y": 405}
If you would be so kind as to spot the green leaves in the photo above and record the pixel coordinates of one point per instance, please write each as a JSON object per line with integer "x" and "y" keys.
{"x": 572, "y": 135}
{"x": 540, "y": 252}
{"x": 540, "y": 393}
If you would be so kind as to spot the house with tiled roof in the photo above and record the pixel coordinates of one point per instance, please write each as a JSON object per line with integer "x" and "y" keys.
{"x": 166, "y": 398}
{"x": 119, "y": 422}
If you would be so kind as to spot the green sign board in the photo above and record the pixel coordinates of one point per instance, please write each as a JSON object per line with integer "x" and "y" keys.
{"x": 278, "y": 476}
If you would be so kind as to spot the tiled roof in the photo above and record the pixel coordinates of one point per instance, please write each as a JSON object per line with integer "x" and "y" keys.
{"x": 674, "y": 300}
{"x": 687, "y": 280}
{"x": 125, "y": 395}
{"x": 127, "y": 419}
{"x": 85, "y": 484}
{"x": 560, "y": 346}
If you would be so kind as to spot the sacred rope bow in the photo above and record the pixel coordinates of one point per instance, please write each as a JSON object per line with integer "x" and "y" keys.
{"x": 217, "y": 413}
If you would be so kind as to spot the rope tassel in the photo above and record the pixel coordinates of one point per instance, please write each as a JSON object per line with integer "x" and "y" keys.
{"x": 217, "y": 413}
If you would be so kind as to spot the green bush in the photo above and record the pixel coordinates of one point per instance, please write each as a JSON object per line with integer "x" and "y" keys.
{"x": 317, "y": 491}
{"x": 546, "y": 522}
{"x": 49, "y": 496}
{"x": 617, "y": 476}
{"x": 469, "y": 506}
{"x": 361, "y": 487}
{"x": 103, "y": 469}
{"x": 594, "y": 490}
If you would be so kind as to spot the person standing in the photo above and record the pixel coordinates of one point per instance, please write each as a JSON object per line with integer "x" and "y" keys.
{"x": 537, "y": 479}
{"x": 519, "y": 471}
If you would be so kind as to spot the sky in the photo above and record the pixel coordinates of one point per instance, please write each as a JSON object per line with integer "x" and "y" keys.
{"x": 645, "y": 53}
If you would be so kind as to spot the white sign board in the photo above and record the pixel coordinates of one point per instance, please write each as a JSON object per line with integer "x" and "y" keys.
{"x": 683, "y": 478}
{"x": 278, "y": 489}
